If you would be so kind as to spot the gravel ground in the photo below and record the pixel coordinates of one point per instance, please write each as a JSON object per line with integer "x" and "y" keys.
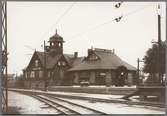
{"x": 24, "y": 104}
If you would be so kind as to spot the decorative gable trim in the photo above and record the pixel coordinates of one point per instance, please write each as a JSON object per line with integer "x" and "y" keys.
{"x": 62, "y": 62}
{"x": 32, "y": 61}
{"x": 92, "y": 56}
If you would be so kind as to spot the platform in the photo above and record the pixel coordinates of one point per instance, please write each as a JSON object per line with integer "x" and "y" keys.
{"x": 158, "y": 92}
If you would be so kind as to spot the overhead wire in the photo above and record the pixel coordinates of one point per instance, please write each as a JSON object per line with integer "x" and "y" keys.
{"x": 29, "y": 47}
{"x": 66, "y": 11}
{"x": 60, "y": 18}
{"x": 137, "y": 10}
{"x": 117, "y": 19}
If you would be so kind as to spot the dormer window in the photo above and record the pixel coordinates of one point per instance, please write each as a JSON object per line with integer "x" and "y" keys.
{"x": 93, "y": 57}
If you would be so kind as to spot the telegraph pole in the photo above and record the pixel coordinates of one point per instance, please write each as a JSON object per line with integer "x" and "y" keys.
{"x": 1, "y": 74}
{"x": 45, "y": 72}
{"x": 159, "y": 47}
{"x": 3, "y": 57}
{"x": 138, "y": 76}
{"x": 138, "y": 70}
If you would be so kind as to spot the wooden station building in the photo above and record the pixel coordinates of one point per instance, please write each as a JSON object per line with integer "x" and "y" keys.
{"x": 99, "y": 67}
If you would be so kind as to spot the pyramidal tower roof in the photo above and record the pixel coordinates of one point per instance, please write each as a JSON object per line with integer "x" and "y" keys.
{"x": 56, "y": 38}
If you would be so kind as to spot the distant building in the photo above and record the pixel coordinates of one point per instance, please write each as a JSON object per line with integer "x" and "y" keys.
{"x": 11, "y": 80}
{"x": 99, "y": 67}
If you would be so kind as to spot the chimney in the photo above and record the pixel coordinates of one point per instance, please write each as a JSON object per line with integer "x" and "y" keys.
{"x": 90, "y": 51}
{"x": 113, "y": 51}
{"x": 92, "y": 47}
{"x": 75, "y": 54}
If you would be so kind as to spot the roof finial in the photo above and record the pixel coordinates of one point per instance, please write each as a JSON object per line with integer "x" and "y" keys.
{"x": 158, "y": 6}
{"x": 56, "y": 31}
{"x": 159, "y": 9}
{"x": 92, "y": 47}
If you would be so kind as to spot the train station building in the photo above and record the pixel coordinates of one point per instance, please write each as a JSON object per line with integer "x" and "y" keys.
{"x": 99, "y": 67}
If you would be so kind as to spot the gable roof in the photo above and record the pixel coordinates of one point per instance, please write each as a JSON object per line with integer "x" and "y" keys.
{"x": 69, "y": 58}
{"x": 73, "y": 61}
{"x": 77, "y": 61}
{"x": 50, "y": 60}
{"x": 56, "y": 38}
{"x": 108, "y": 60}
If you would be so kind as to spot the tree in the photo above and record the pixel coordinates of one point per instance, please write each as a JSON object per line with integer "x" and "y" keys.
{"x": 151, "y": 60}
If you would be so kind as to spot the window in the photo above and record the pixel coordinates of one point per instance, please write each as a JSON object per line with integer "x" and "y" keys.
{"x": 40, "y": 74}
{"x": 100, "y": 78}
{"x": 36, "y": 63}
{"x": 93, "y": 57}
{"x": 63, "y": 63}
{"x": 26, "y": 75}
{"x": 52, "y": 44}
{"x": 59, "y": 63}
{"x": 84, "y": 74}
{"x": 102, "y": 74}
{"x": 32, "y": 75}
{"x": 59, "y": 44}
{"x": 48, "y": 73}
{"x": 37, "y": 74}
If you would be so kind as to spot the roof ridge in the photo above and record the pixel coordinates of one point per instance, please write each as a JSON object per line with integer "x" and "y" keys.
{"x": 39, "y": 51}
{"x": 67, "y": 54}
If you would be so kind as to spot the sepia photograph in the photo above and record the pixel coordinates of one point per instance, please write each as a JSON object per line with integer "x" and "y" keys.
{"x": 82, "y": 57}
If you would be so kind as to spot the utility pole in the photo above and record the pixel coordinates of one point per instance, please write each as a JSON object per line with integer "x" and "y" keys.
{"x": 138, "y": 70}
{"x": 158, "y": 63}
{"x": 45, "y": 70}
{"x": 3, "y": 57}
{"x": 159, "y": 47}
{"x": 138, "y": 76}
{"x": 1, "y": 73}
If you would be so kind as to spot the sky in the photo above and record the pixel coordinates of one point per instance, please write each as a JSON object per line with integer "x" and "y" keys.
{"x": 82, "y": 25}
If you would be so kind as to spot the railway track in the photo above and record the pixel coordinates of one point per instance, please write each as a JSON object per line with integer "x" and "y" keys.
{"x": 143, "y": 103}
{"x": 66, "y": 107}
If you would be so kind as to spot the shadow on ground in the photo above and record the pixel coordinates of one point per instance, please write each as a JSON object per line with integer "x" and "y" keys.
{"x": 12, "y": 110}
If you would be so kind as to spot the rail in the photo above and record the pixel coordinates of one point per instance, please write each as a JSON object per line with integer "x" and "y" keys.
{"x": 66, "y": 107}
